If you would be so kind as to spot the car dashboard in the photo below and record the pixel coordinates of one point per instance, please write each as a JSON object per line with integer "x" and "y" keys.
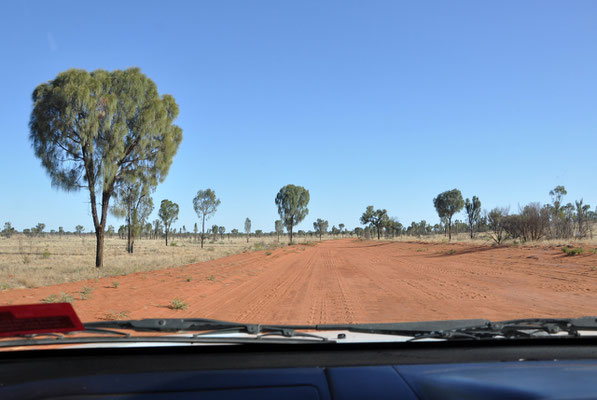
{"x": 443, "y": 370}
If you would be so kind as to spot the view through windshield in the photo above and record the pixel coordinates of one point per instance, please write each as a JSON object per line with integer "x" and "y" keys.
{"x": 300, "y": 162}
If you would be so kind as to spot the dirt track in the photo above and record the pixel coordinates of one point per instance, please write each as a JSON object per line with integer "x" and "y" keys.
{"x": 350, "y": 281}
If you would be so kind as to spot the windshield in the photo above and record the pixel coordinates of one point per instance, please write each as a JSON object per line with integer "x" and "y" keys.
{"x": 302, "y": 162}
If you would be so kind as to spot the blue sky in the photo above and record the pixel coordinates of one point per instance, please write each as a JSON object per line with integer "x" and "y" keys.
{"x": 362, "y": 102}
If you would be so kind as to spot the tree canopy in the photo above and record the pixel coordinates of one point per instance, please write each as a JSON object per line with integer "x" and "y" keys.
{"x": 205, "y": 203}
{"x": 248, "y": 228}
{"x": 447, "y": 204}
{"x": 378, "y": 218}
{"x": 473, "y": 213}
{"x": 97, "y": 129}
{"x": 134, "y": 203}
{"x": 320, "y": 226}
{"x": 168, "y": 213}
{"x": 292, "y": 204}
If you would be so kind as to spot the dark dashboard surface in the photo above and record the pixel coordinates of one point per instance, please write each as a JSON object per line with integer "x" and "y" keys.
{"x": 356, "y": 372}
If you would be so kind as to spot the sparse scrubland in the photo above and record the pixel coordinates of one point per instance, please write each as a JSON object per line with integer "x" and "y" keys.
{"x": 27, "y": 261}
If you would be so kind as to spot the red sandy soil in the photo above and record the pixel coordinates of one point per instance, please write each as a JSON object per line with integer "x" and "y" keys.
{"x": 348, "y": 281}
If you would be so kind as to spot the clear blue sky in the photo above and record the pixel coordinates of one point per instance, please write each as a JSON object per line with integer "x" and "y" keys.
{"x": 362, "y": 102}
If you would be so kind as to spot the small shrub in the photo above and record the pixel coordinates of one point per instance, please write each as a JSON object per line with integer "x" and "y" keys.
{"x": 211, "y": 278}
{"x": 189, "y": 278}
{"x": 26, "y": 259}
{"x": 593, "y": 268}
{"x": 115, "y": 284}
{"x": 211, "y": 249}
{"x": 86, "y": 292}
{"x": 259, "y": 246}
{"x": 46, "y": 254}
{"x": 594, "y": 251}
{"x": 173, "y": 244}
{"x": 63, "y": 298}
{"x": 50, "y": 299}
{"x": 572, "y": 251}
{"x": 450, "y": 252}
{"x": 116, "y": 316}
{"x": 177, "y": 304}
{"x": 268, "y": 253}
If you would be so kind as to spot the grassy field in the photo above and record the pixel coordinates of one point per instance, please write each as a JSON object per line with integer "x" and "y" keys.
{"x": 40, "y": 261}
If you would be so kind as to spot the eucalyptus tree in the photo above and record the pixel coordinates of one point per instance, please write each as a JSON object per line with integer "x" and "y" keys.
{"x": 96, "y": 130}
{"x": 214, "y": 230}
{"x": 247, "y": 228}
{"x": 168, "y": 213}
{"x": 79, "y": 229}
{"x": 341, "y": 226}
{"x": 377, "y": 218}
{"x": 292, "y": 204}
{"x": 221, "y": 231}
{"x": 279, "y": 227}
{"x": 447, "y": 204}
{"x": 205, "y": 203}
{"x": 134, "y": 203}
{"x": 473, "y": 213}
{"x": 320, "y": 226}
{"x": 157, "y": 227}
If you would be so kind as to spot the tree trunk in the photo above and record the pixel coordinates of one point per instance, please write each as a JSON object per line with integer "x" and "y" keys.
{"x": 99, "y": 250}
{"x": 202, "y": 230}
{"x": 128, "y": 237}
{"x": 166, "y": 236}
{"x": 290, "y": 233}
{"x": 378, "y": 233}
{"x": 449, "y": 229}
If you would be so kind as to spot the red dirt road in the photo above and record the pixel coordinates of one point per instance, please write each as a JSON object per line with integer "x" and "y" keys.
{"x": 346, "y": 281}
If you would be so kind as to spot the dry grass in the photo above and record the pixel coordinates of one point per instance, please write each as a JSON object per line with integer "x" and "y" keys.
{"x": 485, "y": 239}
{"x": 41, "y": 261}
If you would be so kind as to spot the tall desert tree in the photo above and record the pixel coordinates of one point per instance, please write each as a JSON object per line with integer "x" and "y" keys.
{"x": 221, "y": 231}
{"x": 279, "y": 226}
{"x": 205, "y": 203}
{"x": 473, "y": 213}
{"x": 447, "y": 204}
{"x": 214, "y": 230}
{"x": 168, "y": 213}
{"x": 341, "y": 226}
{"x": 79, "y": 229}
{"x": 95, "y": 130}
{"x": 378, "y": 218}
{"x": 292, "y": 204}
{"x": 320, "y": 226}
{"x": 132, "y": 201}
{"x": 247, "y": 228}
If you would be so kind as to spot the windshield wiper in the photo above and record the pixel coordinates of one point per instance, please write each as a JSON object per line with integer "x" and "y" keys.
{"x": 109, "y": 330}
{"x": 206, "y": 326}
{"x": 517, "y": 329}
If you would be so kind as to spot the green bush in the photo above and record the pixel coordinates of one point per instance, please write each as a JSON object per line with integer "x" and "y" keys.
{"x": 86, "y": 292}
{"x": 572, "y": 251}
{"x": 177, "y": 304}
{"x": 46, "y": 254}
{"x": 63, "y": 298}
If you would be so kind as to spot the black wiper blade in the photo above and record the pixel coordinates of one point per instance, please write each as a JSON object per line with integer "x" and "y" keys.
{"x": 519, "y": 328}
{"x": 206, "y": 326}
{"x": 409, "y": 328}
